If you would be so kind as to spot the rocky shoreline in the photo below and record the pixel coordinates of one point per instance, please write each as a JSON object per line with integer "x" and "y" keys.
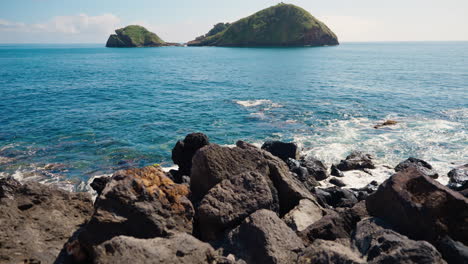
{"x": 241, "y": 204}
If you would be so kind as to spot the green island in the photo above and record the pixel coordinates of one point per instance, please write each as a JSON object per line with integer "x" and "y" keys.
{"x": 279, "y": 25}
{"x": 135, "y": 36}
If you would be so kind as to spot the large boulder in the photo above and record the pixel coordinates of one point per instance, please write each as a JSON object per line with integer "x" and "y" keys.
{"x": 282, "y": 150}
{"x": 303, "y": 215}
{"x": 421, "y": 165}
{"x": 326, "y": 252}
{"x": 227, "y": 204}
{"x": 420, "y": 207}
{"x": 458, "y": 178}
{"x": 36, "y": 220}
{"x": 142, "y": 203}
{"x": 212, "y": 164}
{"x": 183, "y": 151}
{"x": 382, "y": 245}
{"x": 264, "y": 238}
{"x": 315, "y": 168}
{"x": 179, "y": 248}
{"x": 356, "y": 161}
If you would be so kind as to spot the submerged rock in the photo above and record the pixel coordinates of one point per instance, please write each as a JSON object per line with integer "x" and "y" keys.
{"x": 458, "y": 178}
{"x": 420, "y": 207}
{"x": 356, "y": 161}
{"x": 386, "y": 123}
{"x": 282, "y": 150}
{"x": 36, "y": 220}
{"x": 279, "y": 25}
{"x": 264, "y": 238}
{"x": 421, "y": 165}
{"x": 183, "y": 152}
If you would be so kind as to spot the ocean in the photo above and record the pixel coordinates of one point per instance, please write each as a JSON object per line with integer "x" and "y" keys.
{"x": 72, "y": 112}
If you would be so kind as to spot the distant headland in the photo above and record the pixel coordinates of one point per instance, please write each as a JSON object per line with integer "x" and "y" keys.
{"x": 134, "y": 36}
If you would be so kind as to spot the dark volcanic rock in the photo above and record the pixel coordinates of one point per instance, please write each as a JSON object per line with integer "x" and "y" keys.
{"x": 364, "y": 192}
{"x": 425, "y": 167}
{"x": 36, "y": 220}
{"x": 382, "y": 245}
{"x": 326, "y": 252}
{"x": 180, "y": 248}
{"x": 227, "y": 204}
{"x": 335, "y": 197}
{"x": 282, "y": 150}
{"x": 420, "y": 207}
{"x": 458, "y": 178}
{"x": 452, "y": 251}
{"x": 334, "y": 171}
{"x": 213, "y": 164}
{"x": 337, "y": 182}
{"x": 142, "y": 203}
{"x": 302, "y": 174}
{"x": 99, "y": 184}
{"x": 264, "y": 238}
{"x": 356, "y": 161}
{"x": 315, "y": 168}
{"x": 183, "y": 152}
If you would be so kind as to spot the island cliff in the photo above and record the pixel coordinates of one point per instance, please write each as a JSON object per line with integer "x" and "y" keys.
{"x": 279, "y": 25}
{"x": 135, "y": 36}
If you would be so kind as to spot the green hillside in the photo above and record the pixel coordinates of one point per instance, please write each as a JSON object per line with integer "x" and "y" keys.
{"x": 134, "y": 36}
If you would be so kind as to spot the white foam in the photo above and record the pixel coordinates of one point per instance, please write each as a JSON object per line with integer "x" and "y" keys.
{"x": 251, "y": 103}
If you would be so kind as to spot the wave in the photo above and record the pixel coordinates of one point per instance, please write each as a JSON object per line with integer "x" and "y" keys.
{"x": 259, "y": 102}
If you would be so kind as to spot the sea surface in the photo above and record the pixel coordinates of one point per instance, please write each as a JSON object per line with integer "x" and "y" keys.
{"x": 72, "y": 112}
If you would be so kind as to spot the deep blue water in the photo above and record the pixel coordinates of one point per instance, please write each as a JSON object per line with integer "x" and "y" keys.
{"x": 94, "y": 109}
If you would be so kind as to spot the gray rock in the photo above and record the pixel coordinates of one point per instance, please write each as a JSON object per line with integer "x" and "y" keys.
{"x": 382, "y": 245}
{"x": 452, "y": 251}
{"x": 335, "y": 197}
{"x": 303, "y": 215}
{"x": 334, "y": 171}
{"x": 183, "y": 152}
{"x": 264, "y": 238}
{"x": 302, "y": 174}
{"x": 179, "y": 248}
{"x": 337, "y": 182}
{"x": 282, "y": 150}
{"x": 227, "y": 204}
{"x": 36, "y": 220}
{"x": 325, "y": 252}
{"x": 421, "y": 165}
{"x": 458, "y": 178}
{"x": 315, "y": 168}
{"x": 356, "y": 161}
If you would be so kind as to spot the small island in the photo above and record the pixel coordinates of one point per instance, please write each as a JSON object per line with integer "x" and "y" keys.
{"x": 279, "y": 25}
{"x": 135, "y": 36}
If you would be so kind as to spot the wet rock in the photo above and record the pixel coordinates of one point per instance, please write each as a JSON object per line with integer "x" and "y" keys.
{"x": 315, "y": 168}
{"x": 335, "y": 225}
{"x": 213, "y": 164}
{"x": 264, "y": 238}
{"x": 303, "y": 215}
{"x": 425, "y": 167}
{"x": 282, "y": 150}
{"x": 336, "y": 172}
{"x": 143, "y": 203}
{"x": 337, "y": 182}
{"x": 420, "y": 207}
{"x": 364, "y": 192}
{"x": 227, "y": 204}
{"x": 382, "y": 245}
{"x": 179, "y": 248}
{"x": 458, "y": 178}
{"x": 325, "y": 252}
{"x": 356, "y": 161}
{"x": 386, "y": 123}
{"x": 452, "y": 251}
{"x": 36, "y": 220}
{"x": 183, "y": 151}
{"x": 335, "y": 197}
{"x": 99, "y": 183}
{"x": 302, "y": 174}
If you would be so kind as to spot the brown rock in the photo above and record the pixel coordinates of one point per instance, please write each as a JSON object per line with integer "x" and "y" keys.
{"x": 325, "y": 252}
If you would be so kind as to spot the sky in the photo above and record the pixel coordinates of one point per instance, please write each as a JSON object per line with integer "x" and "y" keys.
{"x": 91, "y": 21}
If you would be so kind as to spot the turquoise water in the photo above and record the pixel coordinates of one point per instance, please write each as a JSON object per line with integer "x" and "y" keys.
{"x": 94, "y": 110}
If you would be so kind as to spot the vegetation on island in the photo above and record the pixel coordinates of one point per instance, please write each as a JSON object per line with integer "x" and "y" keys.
{"x": 134, "y": 36}
{"x": 279, "y": 25}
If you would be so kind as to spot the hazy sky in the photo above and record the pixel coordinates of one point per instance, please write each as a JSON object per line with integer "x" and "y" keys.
{"x": 91, "y": 21}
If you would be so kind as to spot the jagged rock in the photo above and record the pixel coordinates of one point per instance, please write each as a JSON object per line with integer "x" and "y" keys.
{"x": 382, "y": 245}
{"x": 334, "y": 171}
{"x": 36, "y": 220}
{"x": 326, "y": 252}
{"x": 425, "y": 167}
{"x": 99, "y": 184}
{"x": 282, "y": 150}
{"x": 143, "y": 203}
{"x": 179, "y": 248}
{"x": 337, "y": 182}
{"x": 335, "y": 197}
{"x": 183, "y": 152}
{"x": 303, "y": 215}
{"x": 264, "y": 238}
{"x": 335, "y": 225}
{"x": 386, "y": 123}
{"x": 420, "y": 207}
{"x": 452, "y": 251}
{"x": 315, "y": 168}
{"x": 356, "y": 161}
{"x": 458, "y": 178}
{"x": 302, "y": 174}
{"x": 364, "y": 192}
{"x": 227, "y": 204}
{"x": 213, "y": 164}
